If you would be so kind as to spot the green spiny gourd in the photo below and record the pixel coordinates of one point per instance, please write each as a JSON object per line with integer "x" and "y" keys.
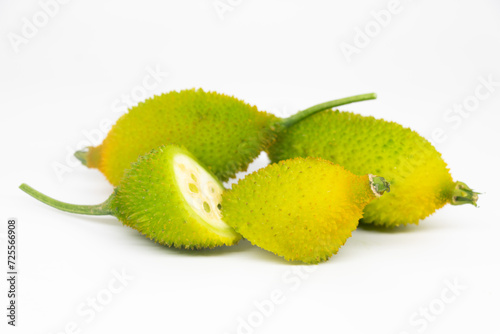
{"x": 420, "y": 180}
{"x": 300, "y": 209}
{"x": 167, "y": 196}
{"x": 224, "y": 133}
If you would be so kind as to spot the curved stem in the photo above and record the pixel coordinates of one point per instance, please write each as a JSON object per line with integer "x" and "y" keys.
{"x": 462, "y": 194}
{"x": 294, "y": 119}
{"x": 93, "y": 210}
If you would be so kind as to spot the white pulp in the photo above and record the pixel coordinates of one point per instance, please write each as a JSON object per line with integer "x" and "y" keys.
{"x": 200, "y": 190}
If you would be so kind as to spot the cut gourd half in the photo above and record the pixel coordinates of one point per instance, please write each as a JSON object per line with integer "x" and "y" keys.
{"x": 201, "y": 191}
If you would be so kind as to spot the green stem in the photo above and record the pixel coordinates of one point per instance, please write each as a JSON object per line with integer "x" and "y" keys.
{"x": 462, "y": 194}
{"x": 92, "y": 210}
{"x": 90, "y": 156}
{"x": 82, "y": 156}
{"x": 294, "y": 119}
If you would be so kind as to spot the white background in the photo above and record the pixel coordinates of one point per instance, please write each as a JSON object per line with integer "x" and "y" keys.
{"x": 72, "y": 75}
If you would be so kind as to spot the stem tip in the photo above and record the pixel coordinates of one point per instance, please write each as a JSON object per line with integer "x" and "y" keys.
{"x": 462, "y": 194}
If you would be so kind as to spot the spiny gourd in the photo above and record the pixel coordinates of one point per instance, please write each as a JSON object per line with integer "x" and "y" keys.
{"x": 420, "y": 180}
{"x": 167, "y": 196}
{"x": 300, "y": 209}
{"x": 224, "y": 133}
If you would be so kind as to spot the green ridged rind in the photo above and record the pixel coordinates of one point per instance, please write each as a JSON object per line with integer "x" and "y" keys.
{"x": 300, "y": 209}
{"x": 420, "y": 180}
{"x": 149, "y": 200}
{"x": 224, "y": 133}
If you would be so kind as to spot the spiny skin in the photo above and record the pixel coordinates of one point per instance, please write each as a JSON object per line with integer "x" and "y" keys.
{"x": 149, "y": 201}
{"x": 224, "y": 133}
{"x": 167, "y": 196}
{"x": 420, "y": 180}
{"x": 300, "y": 209}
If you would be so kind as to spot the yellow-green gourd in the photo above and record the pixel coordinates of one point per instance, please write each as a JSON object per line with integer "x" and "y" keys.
{"x": 224, "y": 133}
{"x": 300, "y": 209}
{"x": 420, "y": 180}
{"x": 168, "y": 197}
